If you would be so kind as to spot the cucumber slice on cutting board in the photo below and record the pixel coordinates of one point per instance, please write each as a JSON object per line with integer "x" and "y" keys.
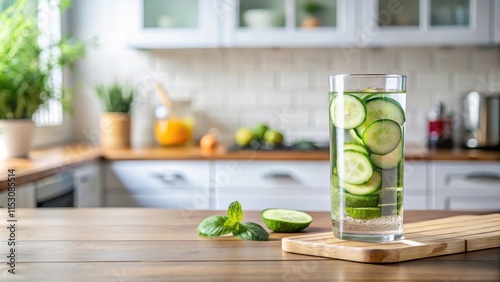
{"x": 347, "y": 111}
{"x": 369, "y": 187}
{"x": 382, "y": 136}
{"x": 356, "y": 167}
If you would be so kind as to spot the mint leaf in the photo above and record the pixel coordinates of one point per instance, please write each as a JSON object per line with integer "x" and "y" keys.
{"x": 235, "y": 212}
{"x": 214, "y": 226}
{"x": 251, "y": 231}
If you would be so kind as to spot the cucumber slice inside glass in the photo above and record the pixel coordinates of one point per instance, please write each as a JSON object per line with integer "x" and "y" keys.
{"x": 382, "y": 136}
{"x": 390, "y": 160}
{"x": 355, "y": 136}
{"x": 347, "y": 111}
{"x": 355, "y": 147}
{"x": 369, "y": 187}
{"x": 357, "y": 201}
{"x": 356, "y": 167}
{"x": 380, "y": 107}
{"x": 363, "y": 213}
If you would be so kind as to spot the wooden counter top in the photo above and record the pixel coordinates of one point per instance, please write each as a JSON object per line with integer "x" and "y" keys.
{"x": 157, "y": 245}
{"x": 46, "y": 162}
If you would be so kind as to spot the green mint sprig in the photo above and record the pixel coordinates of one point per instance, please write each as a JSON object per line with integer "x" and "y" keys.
{"x": 216, "y": 225}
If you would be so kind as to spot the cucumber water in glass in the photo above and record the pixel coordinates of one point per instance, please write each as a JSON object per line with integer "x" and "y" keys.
{"x": 367, "y": 125}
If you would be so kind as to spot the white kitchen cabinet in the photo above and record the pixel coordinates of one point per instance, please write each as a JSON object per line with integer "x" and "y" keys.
{"x": 415, "y": 185}
{"x": 336, "y": 24}
{"x": 25, "y": 196}
{"x": 88, "y": 186}
{"x": 496, "y": 21}
{"x": 302, "y": 185}
{"x": 465, "y": 185}
{"x": 174, "y": 24}
{"x": 424, "y": 22}
{"x": 157, "y": 184}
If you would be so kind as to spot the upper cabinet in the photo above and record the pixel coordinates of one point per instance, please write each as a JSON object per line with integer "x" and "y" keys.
{"x": 313, "y": 23}
{"x": 289, "y": 23}
{"x": 425, "y": 22}
{"x": 175, "y": 24}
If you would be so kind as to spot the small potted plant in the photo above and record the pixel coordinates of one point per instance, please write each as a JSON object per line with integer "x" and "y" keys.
{"x": 26, "y": 71}
{"x": 310, "y": 19}
{"x": 117, "y": 100}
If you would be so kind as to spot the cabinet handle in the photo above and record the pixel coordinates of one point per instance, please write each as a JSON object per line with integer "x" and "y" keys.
{"x": 168, "y": 177}
{"x": 475, "y": 176}
{"x": 277, "y": 175}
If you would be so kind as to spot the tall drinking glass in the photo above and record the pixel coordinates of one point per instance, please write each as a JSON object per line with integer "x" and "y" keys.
{"x": 367, "y": 122}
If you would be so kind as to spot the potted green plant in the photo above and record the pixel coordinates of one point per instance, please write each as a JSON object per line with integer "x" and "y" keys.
{"x": 117, "y": 100}
{"x": 25, "y": 74}
{"x": 311, "y": 9}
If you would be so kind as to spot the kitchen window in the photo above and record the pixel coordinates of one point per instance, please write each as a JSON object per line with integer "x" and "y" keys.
{"x": 49, "y": 21}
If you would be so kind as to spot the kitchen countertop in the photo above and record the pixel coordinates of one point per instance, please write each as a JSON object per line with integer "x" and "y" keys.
{"x": 49, "y": 161}
{"x": 124, "y": 244}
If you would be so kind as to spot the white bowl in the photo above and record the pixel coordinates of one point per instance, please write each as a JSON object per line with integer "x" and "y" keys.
{"x": 259, "y": 18}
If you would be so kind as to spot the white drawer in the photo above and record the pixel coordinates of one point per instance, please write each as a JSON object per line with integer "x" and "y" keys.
{"x": 192, "y": 202}
{"x": 259, "y": 203}
{"x": 468, "y": 175}
{"x": 175, "y": 178}
{"x": 415, "y": 176}
{"x": 261, "y": 175}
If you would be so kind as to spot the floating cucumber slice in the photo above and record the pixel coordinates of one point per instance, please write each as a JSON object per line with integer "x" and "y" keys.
{"x": 382, "y": 136}
{"x": 355, "y": 147}
{"x": 390, "y": 160}
{"x": 380, "y": 107}
{"x": 369, "y": 187}
{"x": 354, "y": 167}
{"x": 363, "y": 213}
{"x": 347, "y": 111}
{"x": 357, "y": 201}
{"x": 355, "y": 136}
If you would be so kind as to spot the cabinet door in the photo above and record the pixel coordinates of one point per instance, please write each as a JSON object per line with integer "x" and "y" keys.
{"x": 415, "y": 185}
{"x": 88, "y": 192}
{"x": 158, "y": 184}
{"x": 466, "y": 185}
{"x": 175, "y": 24}
{"x": 424, "y": 22}
{"x": 302, "y": 185}
{"x": 289, "y": 23}
{"x": 25, "y": 196}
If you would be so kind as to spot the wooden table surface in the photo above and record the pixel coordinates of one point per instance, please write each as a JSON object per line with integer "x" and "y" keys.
{"x": 162, "y": 245}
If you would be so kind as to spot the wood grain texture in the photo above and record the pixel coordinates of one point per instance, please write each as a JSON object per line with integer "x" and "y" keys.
{"x": 423, "y": 239}
{"x": 126, "y": 244}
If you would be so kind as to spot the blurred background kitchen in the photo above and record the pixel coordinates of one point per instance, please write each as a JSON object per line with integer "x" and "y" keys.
{"x": 234, "y": 76}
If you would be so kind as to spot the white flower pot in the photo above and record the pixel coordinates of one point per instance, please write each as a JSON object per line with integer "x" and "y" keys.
{"x": 15, "y": 137}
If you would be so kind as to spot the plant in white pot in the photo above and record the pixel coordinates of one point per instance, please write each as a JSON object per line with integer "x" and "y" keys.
{"x": 25, "y": 74}
{"x": 117, "y": 100}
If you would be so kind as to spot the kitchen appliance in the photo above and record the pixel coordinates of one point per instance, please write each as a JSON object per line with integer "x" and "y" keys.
{"x": 56, "y": 191}
{"x": 481, "y": 120}
{"x": 440, "y": 127}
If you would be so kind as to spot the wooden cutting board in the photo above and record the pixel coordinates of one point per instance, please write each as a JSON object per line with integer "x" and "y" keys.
{"x": 421, "y": 240}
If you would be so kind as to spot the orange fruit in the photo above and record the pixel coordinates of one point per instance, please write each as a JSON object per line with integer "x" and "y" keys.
{"x": 208, "y": 143}
{"x": 172, "y": 132}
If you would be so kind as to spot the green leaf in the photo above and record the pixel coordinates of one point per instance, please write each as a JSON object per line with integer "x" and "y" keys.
{"x": 251, "y": 231}
{"x": 213, "y": 226}
{"x": 235, "y": 212}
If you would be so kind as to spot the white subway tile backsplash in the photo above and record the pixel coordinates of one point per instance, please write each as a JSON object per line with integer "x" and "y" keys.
{"x": 452, "y": 58}
{"x": 288, "y": 88}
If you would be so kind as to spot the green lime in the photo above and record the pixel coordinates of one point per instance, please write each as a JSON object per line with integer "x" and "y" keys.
{"x": 243, "y": 136}
{"x": 356, "y": 201}
{"x": 363, "y": 213}
{"x": 273, "y": 137}
{"x": 286, "y": 221}
{"x": 260, "y": 130}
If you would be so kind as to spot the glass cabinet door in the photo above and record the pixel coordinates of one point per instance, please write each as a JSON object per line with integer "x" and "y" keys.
{"x": 175, "y": 24}
{"x": 171, "y": 14}
{"x": 424, "y": 22}
{"x": 290, "y": 23}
